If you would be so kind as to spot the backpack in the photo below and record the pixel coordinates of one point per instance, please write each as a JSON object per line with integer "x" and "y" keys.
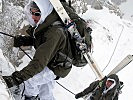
{"x": 118, "y": 90}
{"x": 84, "y": 31}
{"x": 62, "y": 62}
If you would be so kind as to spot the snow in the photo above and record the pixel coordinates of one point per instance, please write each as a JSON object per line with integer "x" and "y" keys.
{"x": 112, "y": 37}
{"x": 126, "y": 8}
{"x": 0, "y": 6}
{"x": 112, "y": 41}
{"x": 6, "y": 69}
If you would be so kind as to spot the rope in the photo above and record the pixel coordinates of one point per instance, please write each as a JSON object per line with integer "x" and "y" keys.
{"x": 14, "y": 37}
{"x": 56, "y": 81}
{"x": 65, "y": 88}
{"x": 31, "y": 59}
{"x": 7, "y": 34}
{"x": 25, "y": 53}
{"x": 114, "y": 49}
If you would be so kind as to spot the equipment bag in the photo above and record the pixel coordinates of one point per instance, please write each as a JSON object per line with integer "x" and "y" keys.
{"x": 84, "y": 31}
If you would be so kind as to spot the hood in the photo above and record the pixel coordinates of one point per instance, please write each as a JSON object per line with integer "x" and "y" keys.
{"x": 115, "y": 79}
{"x": 111, "y": 87}
{"x": 45, "y": 7}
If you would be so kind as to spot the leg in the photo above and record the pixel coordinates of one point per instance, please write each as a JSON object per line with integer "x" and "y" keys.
{"x": 30, "y": 89}
{"x": 33, "y": 84}
{"x": 46, "y": 91}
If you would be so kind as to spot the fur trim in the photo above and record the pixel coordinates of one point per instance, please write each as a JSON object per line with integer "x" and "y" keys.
{"x": 106, "y": 90}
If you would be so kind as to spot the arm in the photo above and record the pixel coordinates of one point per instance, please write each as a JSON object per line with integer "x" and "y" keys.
{"x": 26, "y": 40}
{"x": 92, "y": 86}
{"x": 86, "y": 91}
{"x": 55, "y": 41}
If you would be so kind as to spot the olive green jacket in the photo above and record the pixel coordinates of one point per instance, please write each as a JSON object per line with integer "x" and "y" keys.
{"x": 49, "y": 40}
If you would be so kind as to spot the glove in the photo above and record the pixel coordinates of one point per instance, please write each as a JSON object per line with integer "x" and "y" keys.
{"x": 23, "y": 41}
{"x": 79, "y": 95}
{"x": 14, "y": 79}
{"x": 89, "y": 30}
{"x": 18, "y": 41}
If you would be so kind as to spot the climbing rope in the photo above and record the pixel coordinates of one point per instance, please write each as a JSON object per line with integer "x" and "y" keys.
{"x": 65, "y": 88}
{"x": 31, "y": 59}
{"x": 114, "y": 49}
{"x": 115, "y": 45}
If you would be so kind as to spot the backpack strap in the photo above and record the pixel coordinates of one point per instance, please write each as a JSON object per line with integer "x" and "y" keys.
{"x": 66, "y": 57}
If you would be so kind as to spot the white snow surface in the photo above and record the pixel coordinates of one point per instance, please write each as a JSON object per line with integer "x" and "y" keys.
{"x": 127, "y": 9}
{"x": 112, "y": 39}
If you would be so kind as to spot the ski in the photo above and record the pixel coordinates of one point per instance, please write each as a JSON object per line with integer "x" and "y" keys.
{"x": 7, "y": 95}
{"x": 65, "y": 17}
{"x": 119, "y": 67}
{"x": 60, "y": 10}
{"x": 122, "y": 64}
{"x": 94, "y": 66}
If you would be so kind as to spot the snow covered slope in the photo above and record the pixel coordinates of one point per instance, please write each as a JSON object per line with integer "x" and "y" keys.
{"x": 127, "y": 9}
{"x": 112, "y": 40}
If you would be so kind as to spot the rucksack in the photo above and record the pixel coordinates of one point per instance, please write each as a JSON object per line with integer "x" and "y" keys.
{"x": 118, "y": 90}
{"x": 84, "y": 31}
{"x": 61, "y": 64}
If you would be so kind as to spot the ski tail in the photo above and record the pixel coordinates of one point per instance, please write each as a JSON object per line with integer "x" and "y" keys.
{"x": 96, "y": 69}
{"x": 122, "y": 64}
{"x": 60, "y": 10}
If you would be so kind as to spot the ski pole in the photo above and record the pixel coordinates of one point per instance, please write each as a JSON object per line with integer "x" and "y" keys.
{"x": 7, "y": 34}
{"x": 19, "y": 47}
{"x": 31, "y": 59}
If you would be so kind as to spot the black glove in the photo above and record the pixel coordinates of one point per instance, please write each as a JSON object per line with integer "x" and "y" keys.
{"x": 15, "y": 79}
{"x": 79, "y": 95}
{"x": 89, "y": 30}
{"x": 23, "y": 41}
{"x": 18, "y": 41}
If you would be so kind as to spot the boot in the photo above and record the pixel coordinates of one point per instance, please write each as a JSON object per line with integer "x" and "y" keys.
{"x": 31, "y": 98}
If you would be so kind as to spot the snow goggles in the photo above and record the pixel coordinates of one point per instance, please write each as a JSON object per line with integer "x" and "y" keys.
{"x": 35, "y": 13}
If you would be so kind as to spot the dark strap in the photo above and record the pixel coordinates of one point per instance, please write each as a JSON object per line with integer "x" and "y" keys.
{"x": 65, "y": 57}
